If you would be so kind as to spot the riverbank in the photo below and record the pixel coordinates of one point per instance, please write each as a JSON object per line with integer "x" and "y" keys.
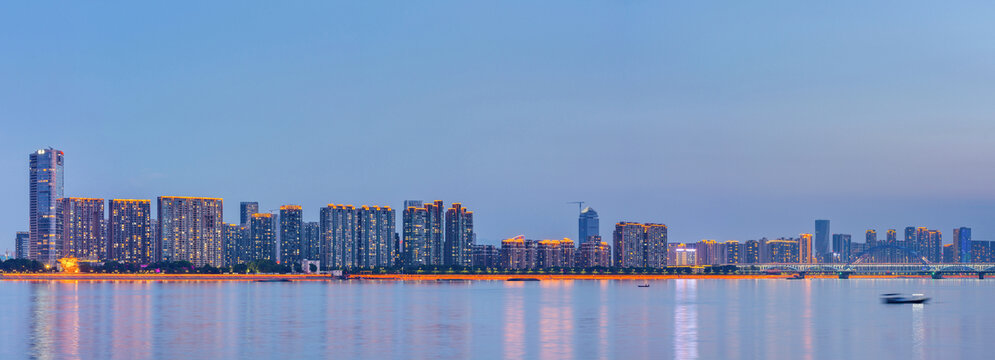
{"x": 413, "y": 277}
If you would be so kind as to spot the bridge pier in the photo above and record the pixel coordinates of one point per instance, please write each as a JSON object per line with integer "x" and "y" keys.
{"x": 981, "y": 275}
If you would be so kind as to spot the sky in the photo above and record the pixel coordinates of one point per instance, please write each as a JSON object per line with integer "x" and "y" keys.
{"x": 724, "y": 120}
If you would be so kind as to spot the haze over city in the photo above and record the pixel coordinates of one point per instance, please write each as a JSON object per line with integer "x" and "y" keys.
{"x": 754, "y": 125}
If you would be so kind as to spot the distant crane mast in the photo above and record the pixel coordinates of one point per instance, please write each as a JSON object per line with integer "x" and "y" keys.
{"x": 580, "y": 205}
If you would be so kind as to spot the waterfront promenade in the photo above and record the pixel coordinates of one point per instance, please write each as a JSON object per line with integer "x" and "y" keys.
{"x": 412, "y": 277}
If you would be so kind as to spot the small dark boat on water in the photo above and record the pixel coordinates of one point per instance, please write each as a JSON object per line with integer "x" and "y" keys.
{"x": 796, "y": 277}
{"x": 895, "y": 298}
{"x": 523, "y": 279}
{"x": 273, "y": 280}
{"x": 644, "y": 285}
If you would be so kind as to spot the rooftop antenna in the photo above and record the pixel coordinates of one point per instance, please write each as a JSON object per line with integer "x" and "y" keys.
{"x": 580, "y": 205}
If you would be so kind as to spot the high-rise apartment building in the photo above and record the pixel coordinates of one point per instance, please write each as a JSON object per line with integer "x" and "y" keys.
{"x": 82, "y": 228}
{"x": 513, "y": 253}
{"x": 640, "y": 245}
{"x": 246, "y": 209}
{"x": 962, "y": 244}
{"x": 733, "y": 252}
{"x": 192, "y": 229}
{"x": 805, "y": 248}
{"x": 486, "y": 256}
{"x": 587, "y": 225}
{"x": 22, "y": 242}
{"x": 262, "y": 237}
{"x": 233, "y": 234}
{"x": 311, "y": 249}
{"x": 459, "y": 236}
{"x": 841, "y": 247}
{"x": 45, "y": 188}
{"x": 130, "y": 235}
{"x": 338, "y": 236}
{"x": 751, "y": 252}
{"x": 291, "y": 231}
{"x": 821, "y": 239}
{"x": 594, "y": 253}
{"x": 375, "y": 237}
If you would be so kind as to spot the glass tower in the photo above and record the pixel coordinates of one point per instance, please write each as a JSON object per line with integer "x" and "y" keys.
{"x": 587, "y": 225}
{"x": 821, "y": 239}
{"x": 45, "y": 186}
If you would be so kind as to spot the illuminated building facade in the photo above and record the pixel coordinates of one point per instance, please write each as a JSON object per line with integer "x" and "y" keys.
{"x": 554, "y": 253}
{"x": 459, "y": 236}
{"x": 781, "y": 251}
{"x": 841, "y": 248}
{"x": 311, "y": 249}
{"x": 246, "y": 209}
{"x": 22, "y": 242}
{"x": 291, "y": 231}
{"x": 588, "y": 225}
{"x": 640, "y": 245}
{"x": 375, "y": 237}
{"x": 594, "y": 253}
{"x": 233, "y": 234}
{"x": 962, "y": 244}
{"x": 751, "y": 252}
{"x": 486, "y": 256}
{"x": 130, "y": 238}
{"x": 513, "y": 253}
{"x": 805, "y": 248}
{"x": 338, "y": 236}
{"x": 45, "y": 188}
{"x": 417, "y": 233}
{"x": 733, "y": 253}
{"x": 191, "y": 229}
{"x": 934, "y": 245}
{"x": 262, "y": 237}
{"x": 82, "y": 228}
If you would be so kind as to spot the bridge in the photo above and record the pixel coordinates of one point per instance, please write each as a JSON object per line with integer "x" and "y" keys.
{"x": 918, "y": 264}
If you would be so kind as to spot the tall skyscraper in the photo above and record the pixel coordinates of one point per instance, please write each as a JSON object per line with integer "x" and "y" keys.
{"x": 82, "y": 228}
{"x": 192, "y": 229}
{"x": 871, "y": 237}
{"x": 805, "y": 248}
{"x": 934, "y": 245}
{"x": 841, "y": 246}
{"x": 22, "y": 242}
{"x": 434, "y": 217}
{"x": 262, "y": 237}
{"x": 246, "y": 209}
{"x": 416, "y": 234}
{"x": 291, "y": 224}
{"x": 375, "y": 237}
{"x": 311, "y": 248}
{"x": 232, "y": 241}
{"x": 130, "y": 235}
{"x": 962, "y": 244}
{"x": 821, "y": 239}
{"x": 640, "y": 245}
{"x": 587, "y": 225}
{"x": 459, "y": 236}
{"x": 45, "y": 188}
{"x": 338, "y": 236}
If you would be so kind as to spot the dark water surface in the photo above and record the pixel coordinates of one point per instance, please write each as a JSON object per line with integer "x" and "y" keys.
{"x": 682, "y": 319}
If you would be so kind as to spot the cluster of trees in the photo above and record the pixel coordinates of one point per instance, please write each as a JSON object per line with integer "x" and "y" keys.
{"x": 22, "y": 265}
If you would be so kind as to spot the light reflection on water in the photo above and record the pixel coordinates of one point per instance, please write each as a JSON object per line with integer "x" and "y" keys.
{"x": 681, "y": 319}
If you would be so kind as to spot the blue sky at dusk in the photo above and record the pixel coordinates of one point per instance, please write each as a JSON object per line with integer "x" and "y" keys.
{"x": 724, "y": 120}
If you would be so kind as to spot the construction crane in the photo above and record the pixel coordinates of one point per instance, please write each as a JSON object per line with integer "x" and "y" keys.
{"x": 580, "y": 205}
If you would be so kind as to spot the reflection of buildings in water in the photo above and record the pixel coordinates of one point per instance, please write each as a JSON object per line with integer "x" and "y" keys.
{"x": 67, "y": 327}
{"x": 918, "y": 332}
{"x": 131, "y": 320}
{"x": 514, "y": 321}
{"x": 808, "y": 349}
{"x": 686, "y": 320}
{"x": 42, "y": 321}
{"x": 556, "y": 327}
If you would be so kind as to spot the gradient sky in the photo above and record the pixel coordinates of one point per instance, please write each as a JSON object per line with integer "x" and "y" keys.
{"x": 724, "y": 120}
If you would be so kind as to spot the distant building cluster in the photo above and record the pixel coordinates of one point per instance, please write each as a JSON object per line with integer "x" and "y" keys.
{"x": 192, "y": 229}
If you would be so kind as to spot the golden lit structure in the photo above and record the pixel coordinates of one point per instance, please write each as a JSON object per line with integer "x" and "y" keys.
{"x": 69, "y": 265}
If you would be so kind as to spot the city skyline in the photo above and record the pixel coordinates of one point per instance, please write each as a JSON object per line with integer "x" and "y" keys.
{"x": 246, "y": 209}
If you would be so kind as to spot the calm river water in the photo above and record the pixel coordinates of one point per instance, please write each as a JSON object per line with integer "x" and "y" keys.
{"x": 682, "y": 319}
